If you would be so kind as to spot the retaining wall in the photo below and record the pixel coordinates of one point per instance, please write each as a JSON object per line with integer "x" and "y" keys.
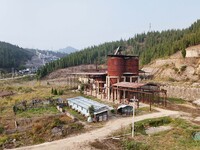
{"x": 187, "y": 93}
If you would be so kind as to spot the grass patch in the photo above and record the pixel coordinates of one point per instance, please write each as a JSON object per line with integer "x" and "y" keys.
{"x": 133, "y": 145}
{"x": 171, "y": 79}
{"x": 57, "y": 122}
{"x": 33, "y": 112}
{"x": 178, "y": 138}
{"x": 144, "y": 110}
{"x": 37, "y": 140}
{"x": 24, "y": 89}
{"x": 75, "y": 113}
{"x": 3, "y": 139}
{"x": 176, "y": 100}
{"x": 142, "y": 125}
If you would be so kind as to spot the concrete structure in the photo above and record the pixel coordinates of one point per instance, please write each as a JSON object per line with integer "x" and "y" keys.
{"x": 121, "y": 68}
{"x": 82, "y": 105}
{"x": 120, "y": 82}
{"x": 144, "y": 92}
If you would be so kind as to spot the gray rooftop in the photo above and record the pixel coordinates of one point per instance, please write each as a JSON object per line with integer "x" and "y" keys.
{"x": 86, "y": 103}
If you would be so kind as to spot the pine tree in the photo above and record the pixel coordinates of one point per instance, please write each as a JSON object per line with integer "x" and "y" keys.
{"x": 55, "y": 92}
{"x": 52, "y": 91}
{"x": 183, "y": 53}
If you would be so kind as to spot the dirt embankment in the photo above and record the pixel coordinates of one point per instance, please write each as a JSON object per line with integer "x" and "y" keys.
{"x": 181, "y": 76}
{"x": 175, "y": 68}
{"x": 6, "y": 93}
{"x": 63, "y": 73}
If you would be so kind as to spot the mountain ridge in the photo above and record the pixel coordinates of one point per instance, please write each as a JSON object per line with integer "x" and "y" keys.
{"x": 67, "y": 50}
{"x": 13, "y": 56}
{"x": 149, "y": 46}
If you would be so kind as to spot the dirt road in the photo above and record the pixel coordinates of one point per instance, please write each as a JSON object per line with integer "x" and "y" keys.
{"x": 81, "y": 141}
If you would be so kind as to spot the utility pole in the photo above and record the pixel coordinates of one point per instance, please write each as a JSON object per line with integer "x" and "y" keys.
{"x": 133, "y": 120}
{"x": 149, "y": 27}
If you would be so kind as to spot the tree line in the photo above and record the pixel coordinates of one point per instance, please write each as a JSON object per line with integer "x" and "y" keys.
{"x": 148, "y": 46}
{"x": 13, "y": 56}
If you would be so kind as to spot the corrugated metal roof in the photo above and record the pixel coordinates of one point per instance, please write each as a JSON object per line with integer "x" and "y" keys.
{"x": 86, "y": 103}
{"x": 129, "y": 85}
{"x": 123, "y": 106}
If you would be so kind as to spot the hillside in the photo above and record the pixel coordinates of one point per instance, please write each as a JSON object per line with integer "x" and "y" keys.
{"x": 13, "y": 56}
{"x": 149, "y": 46}
{"x": 175, "y": 68}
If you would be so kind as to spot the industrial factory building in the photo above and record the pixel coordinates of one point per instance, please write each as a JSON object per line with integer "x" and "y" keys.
{"x": 121, "y": 82}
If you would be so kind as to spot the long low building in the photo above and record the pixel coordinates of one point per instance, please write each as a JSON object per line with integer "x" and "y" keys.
{"x": 82, "y": 105}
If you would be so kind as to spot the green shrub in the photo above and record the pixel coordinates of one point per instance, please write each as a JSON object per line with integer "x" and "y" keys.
{"x": 57, "y": 122}
{"x": 176, "y": 69}
{"x": 183, "y": 52}
{"x": 3, "y": 139}
{"x": 171, "y": 79}
{"x": 141, "y": 125}
{"x": 91, "y": 111}
{"x": 81, "y": 88}
{"x": 38, "y": 140}
{"x": 140, "y": 128}
{"x": 176, "y": 100}
{"x": 60, "y": 92}
{"x": 112, "y": 111}
{"x": 132, "y": 145}
{"x": 1, "y": 129}
{"x": 55, "y": 92}
{"x": 183, "y": 68}
{"x": 25, "y": 89}
{"x": 76, "y": 126}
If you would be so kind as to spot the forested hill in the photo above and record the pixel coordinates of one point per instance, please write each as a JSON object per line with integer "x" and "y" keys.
{"x": 13, "y": 56}
{"x": 148, "y": 46}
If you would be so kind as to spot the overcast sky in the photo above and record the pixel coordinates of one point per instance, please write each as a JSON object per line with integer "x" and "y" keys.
{"x": 54, "y": 24}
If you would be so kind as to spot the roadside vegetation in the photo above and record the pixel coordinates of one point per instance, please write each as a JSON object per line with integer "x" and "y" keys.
{"x": 37, "y": 112}
{"x": 176, "y": 100}
{"x": 179, "y": 137}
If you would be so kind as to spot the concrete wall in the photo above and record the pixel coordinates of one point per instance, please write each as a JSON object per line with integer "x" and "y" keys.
{"x": 187, "y": 93}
